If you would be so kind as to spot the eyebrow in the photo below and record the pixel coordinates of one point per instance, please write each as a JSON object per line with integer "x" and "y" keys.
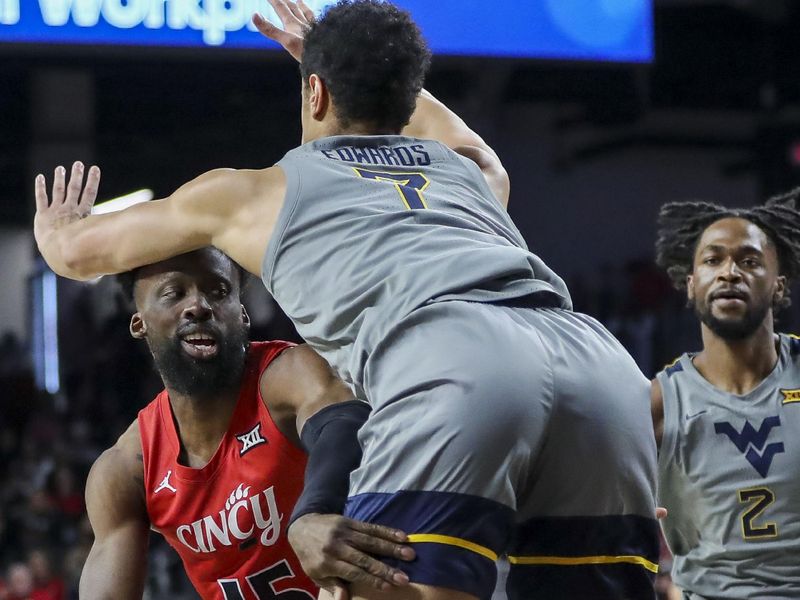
{"x": 747, "y": 249}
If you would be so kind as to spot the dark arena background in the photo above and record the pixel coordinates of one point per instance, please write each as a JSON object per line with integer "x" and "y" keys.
{"x": 600, "y": 111}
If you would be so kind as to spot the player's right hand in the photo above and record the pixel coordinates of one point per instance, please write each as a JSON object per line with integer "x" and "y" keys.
{"x": 295, "y": 17}
{"x": 69, "y": 201}
{"x": 335, "y": 550}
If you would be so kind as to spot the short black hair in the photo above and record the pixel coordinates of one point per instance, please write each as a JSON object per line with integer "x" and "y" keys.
{"x": 681, "y": 225}
{"x": 127, "y": 281}
{"x": 373, "y": 59}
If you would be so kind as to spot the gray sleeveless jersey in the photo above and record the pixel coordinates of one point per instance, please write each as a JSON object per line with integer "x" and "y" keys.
{"x": 729, "y": 474}
{"x": 375, "y": 227}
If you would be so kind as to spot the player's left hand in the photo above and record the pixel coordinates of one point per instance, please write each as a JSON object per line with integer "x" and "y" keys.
{"x": 335, "y": 550}
{"x": 295, "y": 17}
{"x": 70, "y": 201}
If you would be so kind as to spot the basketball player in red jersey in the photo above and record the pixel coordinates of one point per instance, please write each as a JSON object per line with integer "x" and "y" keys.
{"x": 215, "y": 464}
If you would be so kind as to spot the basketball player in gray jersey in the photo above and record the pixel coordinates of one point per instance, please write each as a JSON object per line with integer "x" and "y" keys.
{"x": 727, "y": 418}
{"x": 502, "y": 421}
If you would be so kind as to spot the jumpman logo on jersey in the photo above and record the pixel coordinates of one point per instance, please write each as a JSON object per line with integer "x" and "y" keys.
{"x": 164, "y": 485}
{"x": 251, "y": 439}
{"x": 753, "y": 444}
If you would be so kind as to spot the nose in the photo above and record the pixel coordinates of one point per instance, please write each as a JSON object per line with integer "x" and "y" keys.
{"x": 730, "y": 271}
{"x": 196, "y": 307}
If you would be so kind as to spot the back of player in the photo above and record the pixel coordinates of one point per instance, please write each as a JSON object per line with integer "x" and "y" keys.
{"x": 502, "y": 420}
{"x": 390, "y": 223}
{"x": 728, "y": 476}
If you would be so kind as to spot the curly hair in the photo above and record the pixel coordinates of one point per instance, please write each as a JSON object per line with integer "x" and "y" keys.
{"x": 372, "y": 58}
{"x": 681, "y": 225}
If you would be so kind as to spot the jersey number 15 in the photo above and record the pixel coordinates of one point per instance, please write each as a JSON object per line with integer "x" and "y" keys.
{"x": 263, "y": 585}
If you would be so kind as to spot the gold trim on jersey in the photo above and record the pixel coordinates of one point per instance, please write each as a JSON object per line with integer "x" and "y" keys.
{"x": 583, "y": 560}
{"x": 432, "y": 538}
{"x": 790, "y": 396}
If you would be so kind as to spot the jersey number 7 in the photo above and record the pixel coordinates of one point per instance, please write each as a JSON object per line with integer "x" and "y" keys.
{"x": 409, "y": 185}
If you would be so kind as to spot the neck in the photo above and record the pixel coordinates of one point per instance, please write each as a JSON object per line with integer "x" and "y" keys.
{"x": 333, "y": 127}
{"x": 738, "y": 366}
{"x": 201, "y": 423}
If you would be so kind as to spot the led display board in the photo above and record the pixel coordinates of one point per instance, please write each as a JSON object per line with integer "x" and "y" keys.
{"x": 585, "y": 30}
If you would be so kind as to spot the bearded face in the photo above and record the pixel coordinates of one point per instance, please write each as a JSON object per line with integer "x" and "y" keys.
{"x": 735, "y": 280}
{"x": 191, "y": 315}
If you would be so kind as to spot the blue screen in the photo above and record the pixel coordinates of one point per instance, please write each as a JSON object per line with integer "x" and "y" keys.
{"x": 592, "y": 30}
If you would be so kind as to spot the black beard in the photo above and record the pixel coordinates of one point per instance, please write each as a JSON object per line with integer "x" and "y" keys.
{"x": 201, "y": 378}
{"x": 733, "y": 330}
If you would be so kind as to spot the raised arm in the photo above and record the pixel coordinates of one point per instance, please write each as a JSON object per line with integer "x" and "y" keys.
{"x": 234, "y": 210}
{"x": 431, "y": 119}
{"x": 312, "y": 405}
{"x": 115, "y": 568}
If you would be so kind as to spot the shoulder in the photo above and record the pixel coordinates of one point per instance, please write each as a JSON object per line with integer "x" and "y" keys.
{"x": 794, "y": 346}
{"x": 670, "y": 369}
{"x": 297, "y": 372}
{"x": 299, "y": 383}
{"x": 116, "y": 480}
{"x": 492, "y": 169}
{"x": 123, "y": 460}
{"x": 299, "y": 359}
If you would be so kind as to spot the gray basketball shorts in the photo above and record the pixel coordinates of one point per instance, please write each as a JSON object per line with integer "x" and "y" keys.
{"x": 507, "y": 429}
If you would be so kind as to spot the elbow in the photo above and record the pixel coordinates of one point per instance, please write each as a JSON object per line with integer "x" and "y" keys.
{"x": 504, "y": 180}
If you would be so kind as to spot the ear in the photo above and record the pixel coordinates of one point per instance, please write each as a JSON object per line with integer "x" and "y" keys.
{"x": 138, "y": 327}
{"x": 690, "y": 287}
{"x": 318, "y": 97}
{"x": 245, "y": 317}
{"x": 780, "y": 290}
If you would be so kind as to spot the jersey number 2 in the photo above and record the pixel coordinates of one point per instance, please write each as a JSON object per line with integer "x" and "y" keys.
{"x": 759, "y": 499}
{"x": 409, "y": 185}
{"x": 262, "y": 584}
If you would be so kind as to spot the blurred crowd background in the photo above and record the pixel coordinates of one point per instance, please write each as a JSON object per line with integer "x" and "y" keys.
{"x": 593, "y": 150}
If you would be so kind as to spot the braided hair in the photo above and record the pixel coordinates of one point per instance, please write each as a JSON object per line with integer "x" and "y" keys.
{"x": 681, "y": 224}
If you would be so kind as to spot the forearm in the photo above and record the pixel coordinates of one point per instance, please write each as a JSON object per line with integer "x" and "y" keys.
{"x": 77, "y": 251}
{"x": 331, "y": 439}
{"x": 113, "y": 243}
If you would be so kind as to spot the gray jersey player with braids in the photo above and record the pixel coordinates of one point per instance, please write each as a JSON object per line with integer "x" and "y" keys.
{"x": 727, "y": 418}
{"x": 503, "y": 422}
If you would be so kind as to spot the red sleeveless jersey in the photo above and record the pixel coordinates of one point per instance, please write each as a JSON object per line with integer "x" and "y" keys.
{"x": 228, "y": 520}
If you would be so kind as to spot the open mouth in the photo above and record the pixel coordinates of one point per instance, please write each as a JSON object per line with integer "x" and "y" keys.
{"x": 199, "y": 345}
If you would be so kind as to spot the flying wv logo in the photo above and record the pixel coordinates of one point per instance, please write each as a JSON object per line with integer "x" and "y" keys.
{"x": 753, "y": 444}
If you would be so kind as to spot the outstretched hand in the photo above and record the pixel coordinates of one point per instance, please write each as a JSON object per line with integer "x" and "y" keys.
{"x": 335, "y": 551}
{"x": 295, "y": 17}
{"x": 70, "y": 201}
